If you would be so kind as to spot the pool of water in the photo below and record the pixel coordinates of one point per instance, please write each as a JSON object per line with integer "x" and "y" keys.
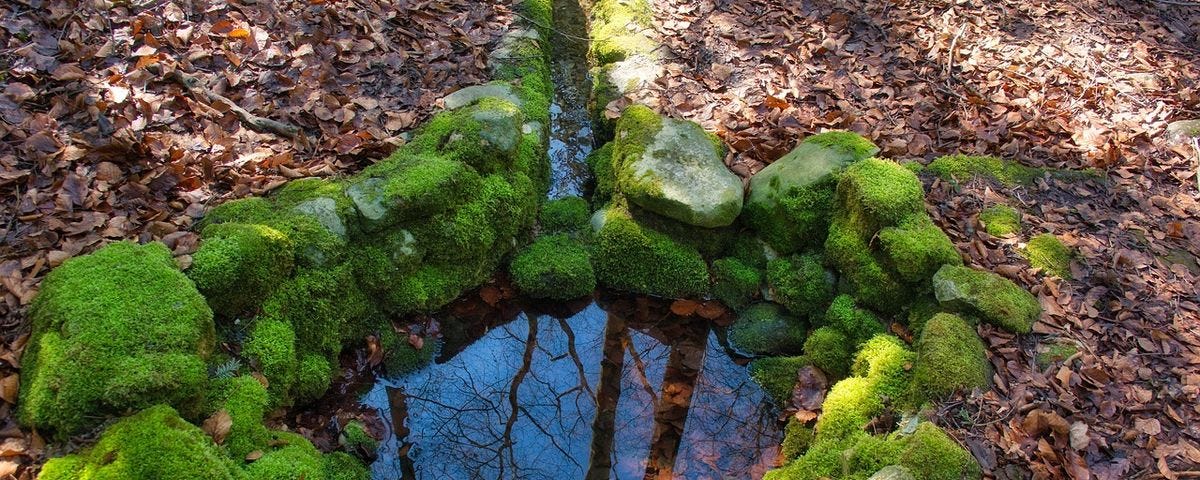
{"x": 596, "y": 394}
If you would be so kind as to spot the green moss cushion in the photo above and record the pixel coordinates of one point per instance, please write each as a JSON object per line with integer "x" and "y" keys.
{"x": 629, "y": 256}
{"x": 858, "y": 324}
{"x": 565, "y": 215}
{"x": 153, "y": 445}
{"x": 1047, "y": 252}
{"x": 950, "y": 357}
{"x": 801, "y": 284}
{"x": 916, "y": 248}
{"x": 777, "y": 376}
{"x": 1000, "y": 220}
{"x": 116, "y": 330}
{"x": 766, "y": 329}
{"x": 238, "y": 265}
{"x": 735, "y": 283}
{"x": 554, "y": 267}
{"x": 877, "y": 193}
{"x": 829, "y": 350}
{"x": 993, "y": 298}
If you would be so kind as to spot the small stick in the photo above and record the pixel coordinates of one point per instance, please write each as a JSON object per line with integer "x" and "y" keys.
{"x": 255, "y": 122}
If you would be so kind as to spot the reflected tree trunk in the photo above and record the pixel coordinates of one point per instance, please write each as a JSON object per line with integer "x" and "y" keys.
{"x": 604, "y": 427}
{"x": 675, "y": 399}
{"x": 398, "y": 401}
{"x": 514, "y": 404}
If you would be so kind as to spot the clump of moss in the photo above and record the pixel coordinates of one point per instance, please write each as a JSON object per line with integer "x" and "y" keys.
{"x": 829, "y": 350}
{"x": 628, "y": 256}
{"x": 154, "y": 443}
{"x": 749, "y": 250}
{"x": 800, "y": 283}
{"x": 565, "y": 215}
{"x": 848, "y": 143}
{"x": 927, "y": 453}
{"x": 931, "y": 454}
{"x": 916, "y": 248}
{"x": 322, "y": 306}
{"x": 950, "y": 357}
{"x": 860, "y": 272}
{"x": 858, "y": 324}
{"x": 797, "y": 437}
{"x": 734, "y": 283}
{"x": 357, "y": 439}
{"x": 272, "y": 347}
{"x": 400, "y": 356}
{"x": 238, "y": 264}
{"x": 119, "y": 329}
{"x": 964, "y": 167}
{"x": 296, "y": 458}
{"x": 919, "y": 312}
{"x": 1047, "y": 252}
{"x": 765, "y": 329}
{"x": 987, "y": 295}
{"x": 1054, "y": 352}
{"x": 620, "y": 29}
{"x": 777, "y": 376}
{"x": 600, "y": 161}
{"x": 1000, "y": 220}
{"x": 554, "y": 267}
{"x": 245, "y": 399}
{"x": 876, "y": 193}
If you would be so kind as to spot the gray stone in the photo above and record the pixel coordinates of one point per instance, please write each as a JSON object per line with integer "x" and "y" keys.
{"x": 368, "y": 198}
{"x": 893, "y": 472}
{"x": 801, "y": 167}
{"x": 472, "y": 94}
{"x": 324, "y": 210}
{"x": 681, "y": 175}
{"x": 633, "y": 73}
{"x": 501, "y": 128}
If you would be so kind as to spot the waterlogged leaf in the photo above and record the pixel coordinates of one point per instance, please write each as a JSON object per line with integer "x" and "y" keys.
{"x": 685, "y": 308}
{"x": 374, "y": 351}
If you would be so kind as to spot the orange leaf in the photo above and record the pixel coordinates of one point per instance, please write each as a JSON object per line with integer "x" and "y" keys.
{"x": 239, "y": 33}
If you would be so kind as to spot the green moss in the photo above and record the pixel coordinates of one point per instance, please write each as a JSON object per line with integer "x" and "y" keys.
{"x": 600, "y": 160}
{"x": 987, "y": 295}
{"x": 845, "y": 142}
{"x": 238, "y": 264}
{"x": 1000, "y": 220}
{"x": 341, "y": 466}
{"x": 950, "y": 357}
{"x": 858, "y": 324}
{"x": 848, "y": 407}
{"x": 628, "y": 256}
{"x": 749, "y": 250}
{"x": 876, "y": 193}
{"x": 765, "y": 329}
{"x": 620, "y": 29}
{"x": 1054, "y": 352}
{"x": 116, "y": 330}
{"x": 323, "y": 307}
{"x": 356, "y": 438}
{"x": 635, "y": 132}
{"x": 734, "y": 283}
{"x": 484, "y": 135}
{"x": 245, "y": 399}
{"x": 554, "y": 267}
{"x": 314, "y": 372}
{"x": 565, "y": 215}
{"x": 296, "y": 461}
{"x": 805, "y": 216}
{"x": 861, "y": 274}
{"x": 960, "y": 168}
{"x": 888, "y": 363}
{"x": 314, "y": 215}
{"x": 408, "y": 186}
{"x": 1047, "y": 252}
{"x": 400, "y": 356}
{"x": 916, "y": 248}
{"x": 797, "y": 437}
{"x": 928, "y": 453}
{"x": 829, "y": 350}
{"x": 272, "y": 347}
{"x": 931, "y": 454}
{"x": 153, "y": 444}
{"x": 777, "y": 376}
{"x": 919, "y": 312}
{"x": 800, "y": 283}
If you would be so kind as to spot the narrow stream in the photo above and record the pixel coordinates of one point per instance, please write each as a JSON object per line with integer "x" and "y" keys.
{"x": 570, "y": 124}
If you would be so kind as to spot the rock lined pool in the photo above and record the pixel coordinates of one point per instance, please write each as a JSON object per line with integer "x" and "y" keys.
{"x": 594, "y": 395}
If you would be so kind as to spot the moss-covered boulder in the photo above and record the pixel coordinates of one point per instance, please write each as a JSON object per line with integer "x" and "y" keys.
{"x": 569, "y": 215}
{"x": 246, "y": 401}
{"x": 632, "y": 257}
{"x": 801, "y": 284}
{"x": 857, "y": 323}
{"x": 950, "y": 357}
{"x": 152, "y": 445}
{"x": 238, "y": 265}
{"x": 554, "y": 267}
{"x": 829, "y": 349}
{"x": 765, "y": 329}
{"x": 791, "y": 200}
{"x": 674, "y": 168}
{"x": 735, "y": 283}
{"x": 117, "y": 330}
{"x": 916, "y": 248}
{"x": 995, "y": 299}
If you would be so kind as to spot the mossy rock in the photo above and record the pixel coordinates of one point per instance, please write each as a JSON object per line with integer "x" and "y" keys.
{"x": 154, "y": 444}
{"x": 600, "y": 161}
{"x": 621, "y": 29}
{"x": 926, "y": 453}
{"x": 271, "y": 347}
{"x": 961, "y": 168}
{"x": 734, "y": 283}
{"x": 1000, "y": 220}
{"x": 987, "y": 295}
{"x": 237, "y": 265}
{"x": 791, "y": 200}
{"x": 801, "y": 284}
{"x": 408, "y": 186}
{"x": 777, "y": 376}
{"x": 797, "y": 437}
{"x": 355, "y": 438}
{"x": 295, "y": 458}
{"x": 1047, "y": 252}
{"x": 916, "y": 248}
{"x": 950, "y": 358}
{"x": 628, "y": 256}
{"x": 117, "y": 330}
{"x": 554, "y": 267}
{"x": 565, "y": 215}
{"x": 860, "y": 272}
{"x": 246, "y": 401}
{"x": 876, "y": 193}
{"x": 765, "y": 329}
{"x": 675, "y": 169}
{"x": 829, "y": 350}
{"x": 857, "y": 323}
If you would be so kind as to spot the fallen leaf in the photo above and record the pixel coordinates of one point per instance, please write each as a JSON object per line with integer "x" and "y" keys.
{"x": 217, "y": 426}
{"x": 8, "y": 388}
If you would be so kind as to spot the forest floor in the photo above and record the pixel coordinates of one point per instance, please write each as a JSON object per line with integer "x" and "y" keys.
{"x": 101, "y": 140}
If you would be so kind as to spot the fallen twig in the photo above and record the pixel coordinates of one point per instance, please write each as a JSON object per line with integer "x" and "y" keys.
{"x": 255, "y": 122}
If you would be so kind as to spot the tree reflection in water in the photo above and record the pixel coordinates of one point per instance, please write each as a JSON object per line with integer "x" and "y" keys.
{"x": 521, "y": 402}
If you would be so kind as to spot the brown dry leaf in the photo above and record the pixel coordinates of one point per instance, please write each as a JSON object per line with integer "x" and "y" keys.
{"x": 684, "y": 308}
{"x": 711, "y": 310}
{"x": 490, "y": 295}
{"x": 1039, "y": 422}
{"x": 810, "y": 389}
{"x": 8, "y": 388}
{"x": 217, "y": 426}
{"x": 8, "y": 467}
{"x": 416, "y": 341}
{"x": 255, "y": 455}
{"x": 374, "y": 351}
